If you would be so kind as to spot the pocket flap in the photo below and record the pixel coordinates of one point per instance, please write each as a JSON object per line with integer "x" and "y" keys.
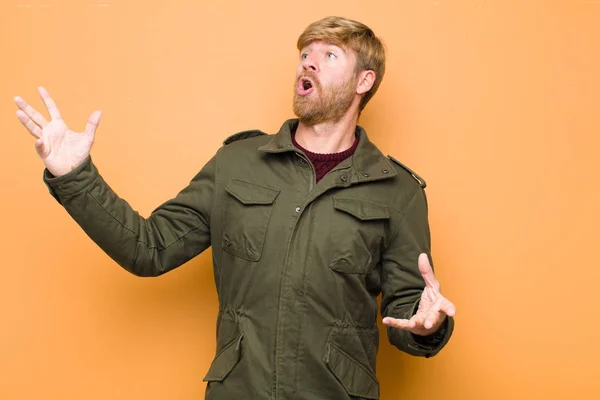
{"x": 361, "y": 209}
{"x": 250, "y": 193}
{"x": 225, "y": 361}
{"x": 355, "y": 377}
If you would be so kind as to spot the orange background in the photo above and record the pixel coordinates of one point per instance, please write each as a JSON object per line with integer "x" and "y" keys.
{"x": 494, "y": 103}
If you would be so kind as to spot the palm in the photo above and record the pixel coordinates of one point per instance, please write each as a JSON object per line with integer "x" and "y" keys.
{"x": 433, "y": 307}
{"x": 61, "y": 149}
{"x": 429, "y": 307}
{"x": 65, "y": 149}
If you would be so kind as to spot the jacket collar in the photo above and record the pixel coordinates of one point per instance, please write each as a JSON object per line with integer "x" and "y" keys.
{"x": 367, "y": 163}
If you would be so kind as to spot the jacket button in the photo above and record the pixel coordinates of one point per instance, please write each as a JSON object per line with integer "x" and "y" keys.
{"x": 385, "y": 171}
{"x": 297, "y": 209}
{"x": 366, "y": 175}
{"x": 344, "y": 178}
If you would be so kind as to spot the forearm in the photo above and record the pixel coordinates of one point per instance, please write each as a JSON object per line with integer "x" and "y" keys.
{"x": 145, "y": 247}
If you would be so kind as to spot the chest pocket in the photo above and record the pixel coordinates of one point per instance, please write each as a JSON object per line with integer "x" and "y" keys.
{"x": 357, "y": 234}
{"x": 246, "y": 214}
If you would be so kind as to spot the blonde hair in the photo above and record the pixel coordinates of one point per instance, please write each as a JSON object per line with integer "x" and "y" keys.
{"x": 354, "y": 35}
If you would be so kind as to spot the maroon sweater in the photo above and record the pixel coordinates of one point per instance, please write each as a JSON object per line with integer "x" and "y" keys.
{"x": 324, "y": 163}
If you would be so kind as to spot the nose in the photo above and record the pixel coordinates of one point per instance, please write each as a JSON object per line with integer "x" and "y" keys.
{"x": 309, "y": 63}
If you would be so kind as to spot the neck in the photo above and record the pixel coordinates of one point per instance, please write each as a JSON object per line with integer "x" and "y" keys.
{"x": 328, "y": 137}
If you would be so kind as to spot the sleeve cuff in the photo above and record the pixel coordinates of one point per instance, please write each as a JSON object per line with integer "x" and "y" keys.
{"x": 433, "y": 340}
{"x": 425, "y": 346}
{"x": 72, "y": 182}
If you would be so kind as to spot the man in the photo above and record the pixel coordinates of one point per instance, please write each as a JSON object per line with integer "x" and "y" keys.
{"x": 307, "y": 228}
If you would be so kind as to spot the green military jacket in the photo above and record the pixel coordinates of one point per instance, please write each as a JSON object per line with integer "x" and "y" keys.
{"x": 298, "y": 266}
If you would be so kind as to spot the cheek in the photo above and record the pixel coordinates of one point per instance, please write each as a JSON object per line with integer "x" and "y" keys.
{"x": 335, "y": 75}
{"x": 332, "y": 81}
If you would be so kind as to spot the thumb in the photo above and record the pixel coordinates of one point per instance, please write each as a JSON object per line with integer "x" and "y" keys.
{"x": 92, "y": 123}
{"x": 41, "y": 148}
{"x": 427, "y": 272}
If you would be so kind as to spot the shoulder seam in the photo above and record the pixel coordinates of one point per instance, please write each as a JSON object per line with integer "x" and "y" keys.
{"x": 416, "y": 177}
{"x": 243, "y": 135}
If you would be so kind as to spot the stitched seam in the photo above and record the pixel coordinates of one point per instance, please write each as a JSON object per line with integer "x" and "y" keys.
{"x": 136, "y": 235}
{"x": 362, "y": 216}
{"x": 401, "y": 222}
{"x": 392, "y": 207}
{"x": 212, "y": 205}
{"x": 66, "y": 196}
{"x": 254, "y": 184}
{"x": 362, "y": 201}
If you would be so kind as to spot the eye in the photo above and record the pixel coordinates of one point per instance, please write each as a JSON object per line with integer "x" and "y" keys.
{"x": 303, "y": 56}
{"x": 331, "y": 56}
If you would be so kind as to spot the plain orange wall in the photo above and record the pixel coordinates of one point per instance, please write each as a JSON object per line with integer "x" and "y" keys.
{"x": 495, "y": 103}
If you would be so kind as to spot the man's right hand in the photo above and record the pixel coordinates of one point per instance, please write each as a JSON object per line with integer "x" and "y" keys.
{"x": 61, "y": 149}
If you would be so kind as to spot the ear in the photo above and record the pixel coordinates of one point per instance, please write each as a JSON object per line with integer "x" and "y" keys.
{"x": 366, "y": 79}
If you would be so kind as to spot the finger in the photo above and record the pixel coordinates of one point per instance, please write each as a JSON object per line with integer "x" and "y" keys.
{"x": 433, "y": 319}
{"x": 32, "y": 127}
{"x": 427, "y": 272}
{"x": 405, "y": 324}
{"x": 41, "y": 148}
{"x": 50, "y": 104}
{"x": 92, "y": 123}
{"x": 448, "y": 307}
{"x": 35, "y": 115}
{"x": 419, "y": 319}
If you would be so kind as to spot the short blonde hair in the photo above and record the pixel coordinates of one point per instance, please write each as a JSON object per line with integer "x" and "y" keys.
{"x": 354, "y": 35}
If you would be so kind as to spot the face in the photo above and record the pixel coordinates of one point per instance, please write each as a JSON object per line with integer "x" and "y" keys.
{"x": 326, "y": 83}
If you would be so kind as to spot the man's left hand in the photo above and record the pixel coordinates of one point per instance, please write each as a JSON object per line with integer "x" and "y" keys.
{"x": 433, "y": 307}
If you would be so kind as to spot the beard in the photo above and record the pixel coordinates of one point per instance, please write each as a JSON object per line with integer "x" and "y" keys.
{"x": 324, "y": 104}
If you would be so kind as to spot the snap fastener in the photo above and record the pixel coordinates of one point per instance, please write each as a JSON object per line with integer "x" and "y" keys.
{"x": 344, "y": 178}
{"x": 385, "y": 171}
{"x": 297, "y": 209}
{"x": 366, "y": 175}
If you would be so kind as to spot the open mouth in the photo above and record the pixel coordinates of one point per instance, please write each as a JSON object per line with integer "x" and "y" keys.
{"x": 305, "y": 86}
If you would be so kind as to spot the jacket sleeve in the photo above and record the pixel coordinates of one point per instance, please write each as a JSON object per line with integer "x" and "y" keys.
{"x": 402, "y": 283}
{"x": 174, "y": 233}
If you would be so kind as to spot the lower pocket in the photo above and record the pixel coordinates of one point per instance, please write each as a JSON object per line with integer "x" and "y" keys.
{"x": 356, "y": 378}
{"x": 350, "y": 355}
{"x": 225, "y": 360}
{"x": 229, "y": 345}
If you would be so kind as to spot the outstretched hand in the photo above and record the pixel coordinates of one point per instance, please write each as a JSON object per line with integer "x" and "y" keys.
{"x": 61, "y": 149}
{"x": 433, "y": 307}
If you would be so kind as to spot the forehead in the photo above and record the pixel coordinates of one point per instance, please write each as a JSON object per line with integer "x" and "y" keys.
{"x": 325, "y": 44}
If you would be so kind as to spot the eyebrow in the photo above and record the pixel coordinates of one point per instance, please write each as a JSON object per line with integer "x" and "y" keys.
{"x": 326, "y": 45}
{"x": 337, "y": 47}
